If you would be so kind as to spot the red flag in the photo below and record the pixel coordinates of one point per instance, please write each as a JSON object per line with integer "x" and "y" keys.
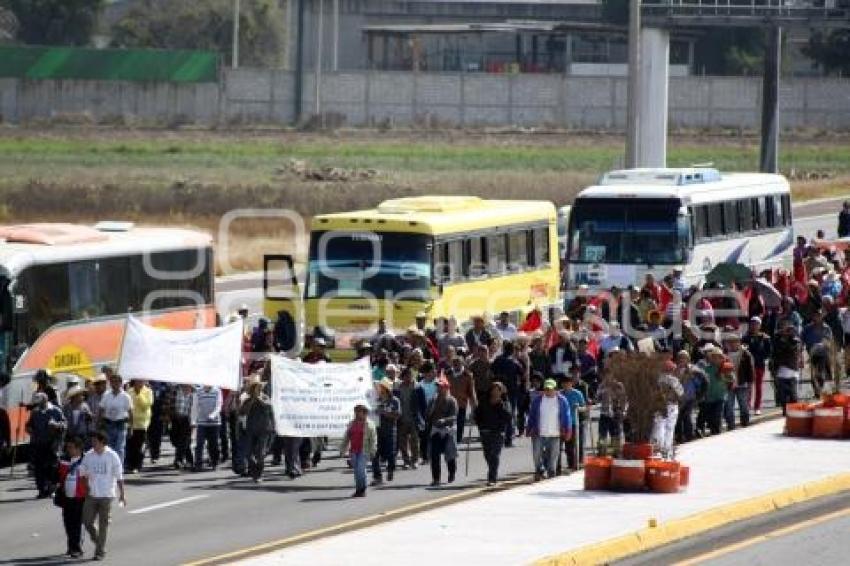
{"x": 532, "y": 322}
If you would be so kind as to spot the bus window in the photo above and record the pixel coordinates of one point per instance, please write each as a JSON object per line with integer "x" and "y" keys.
{"x": 456, "y": 259}
{"x": 476, "y": 265}
{"x": 745, "y": 215}
{"x": 114, "y": 281}
{"x": 700, "y": 222}
{"x": 786, "y": 207}
{"x": 497, "y": 251}
{"x": 715, "y": 220}
{"x": 541, "y": 247}
{"x": 757, "y": 223}
{"x": 84, "y": 290}
{"x": 442, "y": 266}
{"x": 730, "y": 217}
{"x": 518, "y": 250}
{"x": 778, "y": 219}
{"x": 763, "y": 213}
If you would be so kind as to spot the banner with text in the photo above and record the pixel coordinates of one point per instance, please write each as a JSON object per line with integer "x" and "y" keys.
{"x": 205, "y": 356}
{"x": 318, "y": 399}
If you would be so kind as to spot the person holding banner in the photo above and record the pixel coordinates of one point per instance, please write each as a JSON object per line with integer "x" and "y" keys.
{"x": 440, "y": 418}
{"x": 360, "y": 442}
{"x": 388, "y": 410}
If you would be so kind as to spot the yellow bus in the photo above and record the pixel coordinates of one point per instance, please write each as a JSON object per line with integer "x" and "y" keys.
{"x": 438, "y": 255}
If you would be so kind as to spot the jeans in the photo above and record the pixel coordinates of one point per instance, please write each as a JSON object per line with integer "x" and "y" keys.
{"x": 206, "y": 435}
{"x": 72, "y": 519}
{"x": 741, "y": 395}
{"x": 238, "y": 459}
{"x": 408, "y": 442}
{"x": 358, "y": 463}
{"x": 386, "y": 451}
{"x": 545, "y": 450}
{"x": 292, "y": 454}
{"x": 97, "y": 508}
{"x": 786, "y": 391}
{"x": 575, "y": 446}
{"x": 181, "y": 438}
{"x": 491, "y": 445}
{"x": 136, "y": 449}
{"x": 425, "y": 443}
{"x": 116, "y": 437}
{"x": 438, "y": 447}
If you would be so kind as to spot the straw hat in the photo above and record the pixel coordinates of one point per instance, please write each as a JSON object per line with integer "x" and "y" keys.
{"x": 74, "y": 391}
{"x": 99, "y": 378}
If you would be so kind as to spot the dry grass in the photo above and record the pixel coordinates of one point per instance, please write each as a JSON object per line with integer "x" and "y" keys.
{"x": 193, "y": 177}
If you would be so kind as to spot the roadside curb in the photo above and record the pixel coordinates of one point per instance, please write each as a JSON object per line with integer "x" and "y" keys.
{"x": 678, "y": 529}
{"x": 369, "y": 521}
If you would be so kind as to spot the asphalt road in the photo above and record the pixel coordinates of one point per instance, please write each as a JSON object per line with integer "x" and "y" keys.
{"x": 176, "y": 517}
{"x": 808, "y": 533}
{"x": 215, "y": 512}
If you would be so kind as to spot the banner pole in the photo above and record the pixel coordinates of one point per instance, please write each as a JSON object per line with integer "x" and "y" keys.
{"x": 121, "y": 347}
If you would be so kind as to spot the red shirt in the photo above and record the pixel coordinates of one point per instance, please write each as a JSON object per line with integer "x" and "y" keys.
{"x": 357, "y": 434}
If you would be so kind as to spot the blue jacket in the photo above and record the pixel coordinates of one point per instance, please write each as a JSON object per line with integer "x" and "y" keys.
{"x": 564, "y": 415}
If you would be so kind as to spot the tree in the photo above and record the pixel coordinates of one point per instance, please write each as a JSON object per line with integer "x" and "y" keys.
{"x": 832, "y": 51}
{"x": 206, "y": 24}
{"x": 55, "y": 22}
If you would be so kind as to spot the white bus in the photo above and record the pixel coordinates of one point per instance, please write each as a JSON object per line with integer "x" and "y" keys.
{"x": 640, "y": 221}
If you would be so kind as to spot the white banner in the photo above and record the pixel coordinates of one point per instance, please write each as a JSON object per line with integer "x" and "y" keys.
{"x": 318, "y": 399}
{"x": 206, "y": 356}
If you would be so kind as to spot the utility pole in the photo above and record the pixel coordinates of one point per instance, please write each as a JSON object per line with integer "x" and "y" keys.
{"x": 632, "y": 102}
{"x": 319, "y": 42}
{"x": 299, "y": 64}
{"x": 235, "y": 50}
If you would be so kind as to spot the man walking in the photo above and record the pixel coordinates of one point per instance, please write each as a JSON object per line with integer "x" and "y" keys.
{"x": 102, "y": 470}
{"x": 116, "y": 410}
{"x": 73, "y": 495}
{"x": 206, "y": 417}
{"x": 179, "y": 413}
{"x": 492, "y": 416}
{"x": 388, "y": 410}
{"x": 142, "y": 398}
{"x": 259, "y": 424}
{"x": 549, "y": 422}
{"x": 45, "y": 427}
{"x": 408, "y": 436}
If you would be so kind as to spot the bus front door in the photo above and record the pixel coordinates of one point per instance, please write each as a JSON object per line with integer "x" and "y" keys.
{"x": 283, "y": 303}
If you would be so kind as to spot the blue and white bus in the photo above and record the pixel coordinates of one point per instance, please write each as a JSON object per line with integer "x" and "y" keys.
{"x": 639, "y": 221}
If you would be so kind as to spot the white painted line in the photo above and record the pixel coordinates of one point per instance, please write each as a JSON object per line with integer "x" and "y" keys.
{"x": 167, "y": 504}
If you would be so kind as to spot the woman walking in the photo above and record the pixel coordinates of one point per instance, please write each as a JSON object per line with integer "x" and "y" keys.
{"x": 441, "y": 417}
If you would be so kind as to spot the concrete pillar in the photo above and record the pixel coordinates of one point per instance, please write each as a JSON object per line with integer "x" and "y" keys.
{"x": 769, "y": 159}
{"x": 652, "y": 97}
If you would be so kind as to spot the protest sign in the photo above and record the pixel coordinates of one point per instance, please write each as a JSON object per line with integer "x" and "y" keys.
{"x": 318, "y": 399}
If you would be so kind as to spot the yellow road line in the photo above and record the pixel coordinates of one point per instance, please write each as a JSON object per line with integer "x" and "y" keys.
{"x": 764, "y": 537}
{"x": 361, "y": 523}
{"x": 654, "y": 537}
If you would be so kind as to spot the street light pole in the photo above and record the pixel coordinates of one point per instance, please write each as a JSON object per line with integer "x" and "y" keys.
{"x": 235, "y": 49}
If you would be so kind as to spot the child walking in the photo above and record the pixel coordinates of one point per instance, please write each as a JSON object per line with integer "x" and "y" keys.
{"x": 361, "y": 443}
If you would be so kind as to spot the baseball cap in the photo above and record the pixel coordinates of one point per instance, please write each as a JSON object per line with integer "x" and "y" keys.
{"x": 549, "y": 384}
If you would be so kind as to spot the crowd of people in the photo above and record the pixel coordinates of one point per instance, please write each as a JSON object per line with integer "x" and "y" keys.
{"x": 535, "y": 377}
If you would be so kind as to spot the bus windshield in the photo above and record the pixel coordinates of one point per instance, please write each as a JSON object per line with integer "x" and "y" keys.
{"x": 366, "y": 264}
{"x": 634, "y": 231}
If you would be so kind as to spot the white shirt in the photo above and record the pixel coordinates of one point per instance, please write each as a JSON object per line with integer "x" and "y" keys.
{"x": 103, "y": 472}
{"x": 116, "y": 407}
{"x": 507, "y": 332}
{"x": 550, "y": 424}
